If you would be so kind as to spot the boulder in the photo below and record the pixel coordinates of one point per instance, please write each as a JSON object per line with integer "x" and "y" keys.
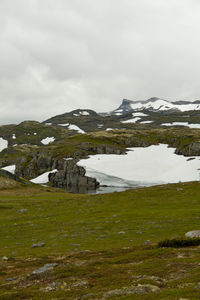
{"x": 193, "y": 234}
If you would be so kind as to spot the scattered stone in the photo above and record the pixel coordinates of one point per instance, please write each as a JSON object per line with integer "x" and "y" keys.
{"x": 139, "y": 289}
{"x": 102, "y": 236}
{"x": 38, "y": 245}
{"x": 4, "y": 258}
{"x": 22, "y": 210}
{"x": 45, "y": 268}
{"x": 198, "y": 285}
{"x": 54, "y": 286}
{"x": 85, "y": 251}
{"x": 148, "y": 242}
{"x": 11, "y": 279}
{"x": 193, "y": 234}
{"x": 80, "y": 283}
{"x": 87, "y": 296}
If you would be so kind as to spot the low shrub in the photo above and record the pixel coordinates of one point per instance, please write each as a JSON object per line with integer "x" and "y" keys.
{"x": 179, "y": 243}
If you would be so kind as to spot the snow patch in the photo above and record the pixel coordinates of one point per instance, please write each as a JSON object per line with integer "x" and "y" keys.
{"x": 10, "y": 168}
{"x": 84, "y": 113}
{"x": 146, "y": 122}
{"x": 43, "y": 178}
{"x": 182, "y": 124}
{"x": 74, "y": 127}
{"x": 65, "y": 124}
{"x": 48, "y": 140}
{"x": 3, "y": 144}
{"x": 139, "y": 114}
{"x": 134, "y": 120}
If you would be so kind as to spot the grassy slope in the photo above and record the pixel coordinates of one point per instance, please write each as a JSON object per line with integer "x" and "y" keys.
{"x": 114, "y": 227}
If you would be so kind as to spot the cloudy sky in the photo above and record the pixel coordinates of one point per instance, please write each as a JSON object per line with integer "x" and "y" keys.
{"x": 60, "y": 55}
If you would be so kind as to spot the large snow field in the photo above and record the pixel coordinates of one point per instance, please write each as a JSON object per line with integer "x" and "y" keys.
{"x": 155, "y": 164}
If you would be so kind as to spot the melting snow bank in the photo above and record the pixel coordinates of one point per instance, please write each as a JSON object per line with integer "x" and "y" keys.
{"x": 182, "y": 124}
{"x": 134, "y": 120}
{"x": 43, "y": 178}
{"x": 3, "y": 144}
{"x": 10, "y": 169}
{"x": 74, "y": 127}
{"x": 148, "y": 166}
{"x": 48, "y": 140}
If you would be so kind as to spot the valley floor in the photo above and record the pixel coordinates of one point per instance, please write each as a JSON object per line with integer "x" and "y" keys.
{"x": 98, "y": 246}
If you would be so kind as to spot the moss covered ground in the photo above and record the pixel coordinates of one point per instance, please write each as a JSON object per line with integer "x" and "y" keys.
{"x": 100, "y": 243}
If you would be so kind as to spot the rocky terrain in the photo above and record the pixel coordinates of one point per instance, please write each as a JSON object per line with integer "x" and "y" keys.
{"x": 61, "y": 141}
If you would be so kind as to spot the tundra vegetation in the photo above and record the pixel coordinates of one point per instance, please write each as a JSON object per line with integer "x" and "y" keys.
{"x": 99, "y": 246}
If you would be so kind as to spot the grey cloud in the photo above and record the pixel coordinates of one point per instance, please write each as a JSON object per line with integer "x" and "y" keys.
{"x": 61, "y": 55}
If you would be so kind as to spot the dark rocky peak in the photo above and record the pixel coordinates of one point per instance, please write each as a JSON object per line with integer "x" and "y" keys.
{"x": 76, "y": 114}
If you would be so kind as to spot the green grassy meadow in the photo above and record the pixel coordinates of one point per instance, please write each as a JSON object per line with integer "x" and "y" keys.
{"x": 100, "y": 243}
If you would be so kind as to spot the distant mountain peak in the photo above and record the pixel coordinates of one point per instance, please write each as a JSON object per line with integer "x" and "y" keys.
{"x": 155, "y": 104}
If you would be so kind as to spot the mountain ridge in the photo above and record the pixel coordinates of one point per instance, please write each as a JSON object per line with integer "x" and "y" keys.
{"x": 157, "y": 105}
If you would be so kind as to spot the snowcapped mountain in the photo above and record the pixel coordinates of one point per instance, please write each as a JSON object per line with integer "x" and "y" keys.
{"x": 157, "y": 105}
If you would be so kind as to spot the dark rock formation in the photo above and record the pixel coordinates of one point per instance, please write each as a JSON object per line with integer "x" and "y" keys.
{"x": 7, "y": 174}
{"x": 71, "y": 175}
{"x": 100, "y": 149}
{"x": 193, "y": 149}
{"x": 68, "y": 175}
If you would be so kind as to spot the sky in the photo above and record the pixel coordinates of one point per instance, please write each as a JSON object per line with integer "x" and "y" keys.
{"x": 56, "y": 56}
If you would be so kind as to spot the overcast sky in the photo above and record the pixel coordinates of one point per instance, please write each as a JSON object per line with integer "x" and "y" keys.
{"x": 59, "y": 55}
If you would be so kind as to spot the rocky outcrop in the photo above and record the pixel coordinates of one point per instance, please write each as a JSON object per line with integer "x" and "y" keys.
{"x": 68, "y": 175}
{"x": 7, "y": 174}
{"x": 193, "y": 149}
{"x": 100, "y": 149}
{"x": 71, "y": 175}
{"x": 32, "y": 166}
{"x": 193, "y": 234}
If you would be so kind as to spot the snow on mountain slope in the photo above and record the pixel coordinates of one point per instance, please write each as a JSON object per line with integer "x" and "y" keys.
{"x": 76, "y": 128}
{"x": 156, "y": 104}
